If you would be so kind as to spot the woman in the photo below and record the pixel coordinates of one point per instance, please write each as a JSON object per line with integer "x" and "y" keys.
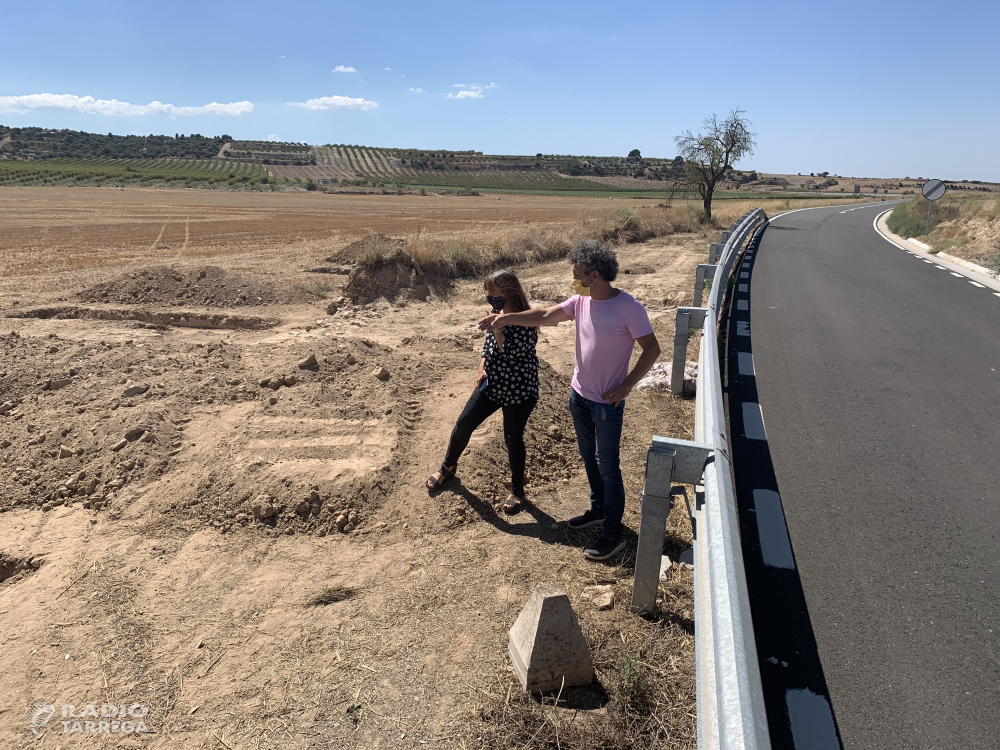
{"x": 507, "y": 379}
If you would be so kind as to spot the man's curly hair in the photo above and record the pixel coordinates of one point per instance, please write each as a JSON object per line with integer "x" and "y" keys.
{"x": 592, "y": 255}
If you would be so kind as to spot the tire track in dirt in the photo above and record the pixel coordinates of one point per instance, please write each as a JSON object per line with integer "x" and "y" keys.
{"x": 159, "y": 236}
{"x": 428, "y": 421}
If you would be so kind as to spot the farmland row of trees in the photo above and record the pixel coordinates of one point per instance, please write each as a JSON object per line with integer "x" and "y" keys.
{"x": 41, "y": 143}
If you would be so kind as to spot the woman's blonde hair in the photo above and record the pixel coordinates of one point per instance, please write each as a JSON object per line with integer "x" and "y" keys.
{"x": 510, "y": 287}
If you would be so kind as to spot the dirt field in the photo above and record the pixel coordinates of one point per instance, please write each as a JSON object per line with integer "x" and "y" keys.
{"x": 194, "y": 522}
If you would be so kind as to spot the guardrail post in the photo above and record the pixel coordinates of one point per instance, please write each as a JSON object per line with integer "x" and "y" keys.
{"x": 667, "y": 461}
{"x": 725, "y": 237}
{"x": 687, "y": 318}
{"x": 704, "y": 271}
{"x": 714, "y": 253}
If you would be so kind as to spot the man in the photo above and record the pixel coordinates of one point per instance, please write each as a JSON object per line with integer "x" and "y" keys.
{"x": 608, "y": 323}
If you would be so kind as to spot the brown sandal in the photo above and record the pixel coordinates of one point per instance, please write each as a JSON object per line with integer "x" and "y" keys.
{"x": 433, "y": 485}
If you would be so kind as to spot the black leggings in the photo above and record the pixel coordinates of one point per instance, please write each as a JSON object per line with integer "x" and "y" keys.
{"x": 515, "y": 419}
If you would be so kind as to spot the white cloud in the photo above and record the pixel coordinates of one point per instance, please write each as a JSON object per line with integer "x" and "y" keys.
{"x": 417, "y": 91}
{"x": 470, "y": 90}
{"x": 273, "y": 137}
{"x": 344, "y": 69}
{"x": 90, "y": 105}
{"x": 388, "y": 68}
{"x": 282, "y": 57}
{"x": 336, "y": 102}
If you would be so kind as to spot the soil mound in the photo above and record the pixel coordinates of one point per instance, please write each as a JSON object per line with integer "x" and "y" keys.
{"x": 397, "y": 278}
{"x": 363, "y": 250}
{"x": 381, "y": 269}
{"x": 209, "y": 286}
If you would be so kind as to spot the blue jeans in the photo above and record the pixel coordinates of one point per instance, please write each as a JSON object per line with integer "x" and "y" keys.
{"x": 599, "y": 434}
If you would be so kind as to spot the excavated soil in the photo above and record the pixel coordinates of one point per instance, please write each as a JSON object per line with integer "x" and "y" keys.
{"x": 197, "y": 494}
{"x": 148, "y": 318}
{"x": 207, "y": 286}
{"x": 13, "y": 569}
{"x": 382, "y": 270}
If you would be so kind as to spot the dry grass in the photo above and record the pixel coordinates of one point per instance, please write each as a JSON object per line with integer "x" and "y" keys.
{"x": 970, "y": 226}
{"x": 478, "y": 252}
{"x": 125, "y": 657}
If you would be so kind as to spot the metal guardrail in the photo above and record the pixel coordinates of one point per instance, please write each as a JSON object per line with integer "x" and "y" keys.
{"x": 731, "y": 714}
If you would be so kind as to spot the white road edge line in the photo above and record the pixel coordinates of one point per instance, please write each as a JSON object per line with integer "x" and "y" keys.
{"x": 967, "y": 275}
{"x": 976, "y": 283}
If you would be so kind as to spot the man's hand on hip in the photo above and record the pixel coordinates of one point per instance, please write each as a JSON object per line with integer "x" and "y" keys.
{"x": 617, "y": 394}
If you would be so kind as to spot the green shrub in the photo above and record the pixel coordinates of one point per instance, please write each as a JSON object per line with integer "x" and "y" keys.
{"x": 910, "y": 219}
{"x": 992, "y": 262}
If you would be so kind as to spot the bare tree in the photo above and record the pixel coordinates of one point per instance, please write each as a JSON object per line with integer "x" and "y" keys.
{"x": 708, "y": 155}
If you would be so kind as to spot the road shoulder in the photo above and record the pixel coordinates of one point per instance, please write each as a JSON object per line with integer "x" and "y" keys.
{"x": 915, "y": 247}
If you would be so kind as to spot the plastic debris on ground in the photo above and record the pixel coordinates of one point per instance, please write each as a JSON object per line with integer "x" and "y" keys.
{"x": 658, "y": 377}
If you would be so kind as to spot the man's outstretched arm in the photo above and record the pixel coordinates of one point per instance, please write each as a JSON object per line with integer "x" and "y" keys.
{"x": 543, "y": 316}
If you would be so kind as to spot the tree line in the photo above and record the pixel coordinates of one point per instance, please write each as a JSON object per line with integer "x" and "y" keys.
{"x": 42, "y": 143}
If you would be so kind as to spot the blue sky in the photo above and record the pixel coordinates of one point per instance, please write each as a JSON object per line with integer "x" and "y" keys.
{"x": 873, "y": 89}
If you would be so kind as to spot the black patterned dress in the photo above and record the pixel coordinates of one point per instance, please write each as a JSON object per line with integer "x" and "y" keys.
{"x": 512, "y": 372}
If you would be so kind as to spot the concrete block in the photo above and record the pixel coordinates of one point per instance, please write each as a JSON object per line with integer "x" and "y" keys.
{"x": 547, "y": 645}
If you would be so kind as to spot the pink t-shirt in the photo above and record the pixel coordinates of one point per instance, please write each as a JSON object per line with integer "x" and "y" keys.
{"x": 606, "y": 331}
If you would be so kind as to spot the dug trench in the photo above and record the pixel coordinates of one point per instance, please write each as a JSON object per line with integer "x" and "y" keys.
{"x": 236, "y": 532}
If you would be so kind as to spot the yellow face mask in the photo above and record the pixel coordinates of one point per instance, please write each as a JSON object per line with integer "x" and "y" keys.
{"x": 579, "y": 288}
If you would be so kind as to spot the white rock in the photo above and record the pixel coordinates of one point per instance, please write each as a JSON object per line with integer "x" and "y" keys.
{"x": 664, "y": 567}
{"x": 604, "y": 601}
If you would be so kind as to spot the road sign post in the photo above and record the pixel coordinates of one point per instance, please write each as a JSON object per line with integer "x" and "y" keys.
{"x": 932, "y": 190}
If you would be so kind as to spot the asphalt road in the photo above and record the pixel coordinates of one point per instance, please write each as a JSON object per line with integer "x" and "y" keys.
{"x": 878, "y": 378}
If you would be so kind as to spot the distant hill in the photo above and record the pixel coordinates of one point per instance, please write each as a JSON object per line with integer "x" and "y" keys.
{"x": 41, "y": 143}
{"x": 41, "y": 156}
{"x": 342, "y": 161}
